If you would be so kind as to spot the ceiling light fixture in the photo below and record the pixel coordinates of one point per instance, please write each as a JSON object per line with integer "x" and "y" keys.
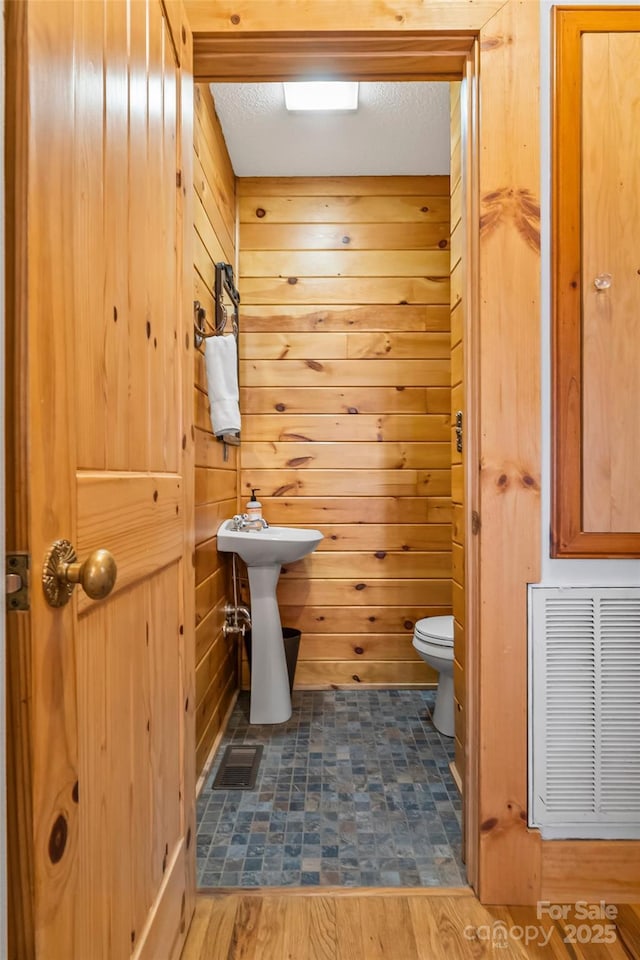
{"x": 327, "y": 95}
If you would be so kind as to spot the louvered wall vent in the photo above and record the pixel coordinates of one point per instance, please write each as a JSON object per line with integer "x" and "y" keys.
{"x": 585, "y": 707}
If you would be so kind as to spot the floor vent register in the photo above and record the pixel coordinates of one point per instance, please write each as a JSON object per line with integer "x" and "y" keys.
{"x": 239, "y": 768}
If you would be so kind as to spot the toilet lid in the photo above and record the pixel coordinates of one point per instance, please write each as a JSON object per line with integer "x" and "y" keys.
{"x": 436, "y": 630}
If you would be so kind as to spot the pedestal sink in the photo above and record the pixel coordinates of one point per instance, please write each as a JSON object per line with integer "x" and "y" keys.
{"x": 264, "y": 552}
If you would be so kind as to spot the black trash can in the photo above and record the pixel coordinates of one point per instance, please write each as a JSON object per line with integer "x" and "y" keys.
{"x": 291, "y": 639}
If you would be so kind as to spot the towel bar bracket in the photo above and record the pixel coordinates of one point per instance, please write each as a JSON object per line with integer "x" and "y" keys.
{"x": 226, "y": 298}
{"x": 224, "y": 287}
{"x": 229, "y": 439}
{"x": 199, "y": 321}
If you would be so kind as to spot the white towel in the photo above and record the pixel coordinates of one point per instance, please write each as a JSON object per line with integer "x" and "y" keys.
{"x": 221, "y": 359}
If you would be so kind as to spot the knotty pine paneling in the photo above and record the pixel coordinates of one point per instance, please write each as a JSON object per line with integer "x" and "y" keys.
{"x": 417, "y": 511}
{"x": 215, "y": 479}
{"x": 310, "y": 428}
{"x": 343, "y": 373}
{"x": 346, "y": 398}
{"x": 334, "y": 455}
{"x": 347, "y": 187}
{"x": 366, "y": 400}
{"x": 380, "y": 316}
{"x": 421, "y": 208}
{"x": 457, "y": 403}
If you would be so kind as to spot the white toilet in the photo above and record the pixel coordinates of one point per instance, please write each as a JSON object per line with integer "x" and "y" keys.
{"x": 433, "y": 639}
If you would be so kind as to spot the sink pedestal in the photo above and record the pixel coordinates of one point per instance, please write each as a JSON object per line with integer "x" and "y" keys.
{"x": 270, "y": 697}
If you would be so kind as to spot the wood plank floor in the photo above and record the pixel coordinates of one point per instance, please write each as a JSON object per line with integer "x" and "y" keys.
{"x": 376, "y": 924}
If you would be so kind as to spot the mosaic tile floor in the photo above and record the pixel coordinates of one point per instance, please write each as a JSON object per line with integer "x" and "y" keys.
{"x": 354, "y": 790}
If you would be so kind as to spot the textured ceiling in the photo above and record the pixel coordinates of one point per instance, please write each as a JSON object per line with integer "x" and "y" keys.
{"x": 398, "y": 129}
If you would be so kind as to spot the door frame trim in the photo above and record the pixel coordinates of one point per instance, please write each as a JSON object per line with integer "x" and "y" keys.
{"x": 3, "y": 409}
{"x": 503, "y": 470}
{"x": 348, "y": 51}
{"x": 358, "y": 55}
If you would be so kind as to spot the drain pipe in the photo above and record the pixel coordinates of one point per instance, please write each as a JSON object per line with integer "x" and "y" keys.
{"x": 235, "y": 612}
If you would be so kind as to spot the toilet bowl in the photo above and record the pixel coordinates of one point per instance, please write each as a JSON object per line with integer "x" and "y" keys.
{"x": 433, "y": 639}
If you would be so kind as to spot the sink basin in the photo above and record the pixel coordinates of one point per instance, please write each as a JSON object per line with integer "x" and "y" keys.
{"x": 260, "y": 548}
{"x": 264, "y": 552}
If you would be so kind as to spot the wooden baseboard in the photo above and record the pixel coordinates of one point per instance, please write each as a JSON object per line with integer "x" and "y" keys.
{"x": 214, "y": 746}
{"x": 456, "y": 776}
{"x": 591, "y": 870}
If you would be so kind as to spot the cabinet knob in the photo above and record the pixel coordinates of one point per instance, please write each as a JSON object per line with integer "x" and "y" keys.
{"x": 603, "y": 281}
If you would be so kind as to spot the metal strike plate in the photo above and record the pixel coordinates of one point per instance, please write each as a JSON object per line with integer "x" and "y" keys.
{"x": 17, "y": 581}
{"x": 459, "y": 431}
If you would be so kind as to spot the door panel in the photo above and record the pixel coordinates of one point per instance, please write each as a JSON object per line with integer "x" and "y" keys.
{"x": 107, "y": 803}
{"x": 610, "y": 240}
{"x": 129, "y": 717}
{"x": 87, "y": 200}
{"x": 125, "y": 323}
{"x": 595, "y": 237}
{"x": 142, "y": 523}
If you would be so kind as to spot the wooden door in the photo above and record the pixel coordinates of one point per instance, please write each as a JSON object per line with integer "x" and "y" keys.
{"x": 101, "y": 693}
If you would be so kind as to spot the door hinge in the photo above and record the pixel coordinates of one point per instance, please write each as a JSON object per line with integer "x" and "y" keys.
{"x": 17, "y": 581}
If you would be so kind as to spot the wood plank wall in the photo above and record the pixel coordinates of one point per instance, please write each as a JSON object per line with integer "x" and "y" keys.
{"x": 457, "y": 404}
{"x": 216, "y": 480}
{"x": 345, "y": 367}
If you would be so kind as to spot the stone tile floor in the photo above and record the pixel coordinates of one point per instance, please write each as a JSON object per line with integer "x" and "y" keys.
{"x": 354, "y": 790}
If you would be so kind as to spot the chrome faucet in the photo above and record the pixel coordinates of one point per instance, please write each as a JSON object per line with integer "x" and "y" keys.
{"x": 241, "y": 521}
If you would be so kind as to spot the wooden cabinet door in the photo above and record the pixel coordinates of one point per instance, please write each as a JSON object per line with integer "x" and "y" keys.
{"x": 103, "y": 867}
{"x": 597, "y": 283}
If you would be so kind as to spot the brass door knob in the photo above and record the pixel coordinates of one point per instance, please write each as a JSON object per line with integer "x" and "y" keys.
{"x": 62, "y": 570}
